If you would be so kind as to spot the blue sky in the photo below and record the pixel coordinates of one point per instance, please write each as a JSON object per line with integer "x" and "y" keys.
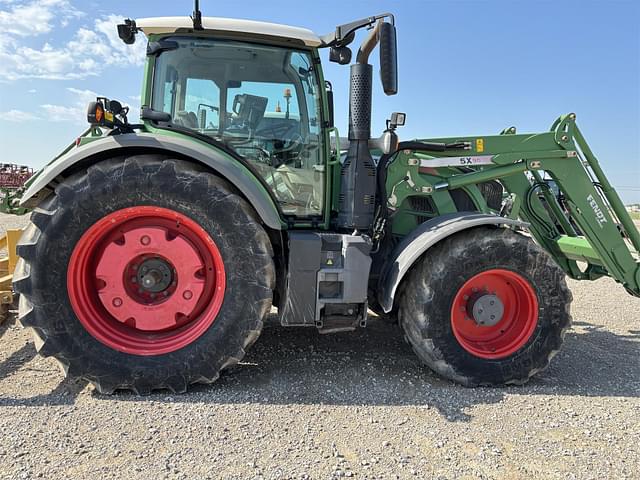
{"x": 465, "y": 68}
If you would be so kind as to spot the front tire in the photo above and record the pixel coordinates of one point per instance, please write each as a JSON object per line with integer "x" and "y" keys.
{"x": 144, "y": 273}
{"x": 485, "y": 307}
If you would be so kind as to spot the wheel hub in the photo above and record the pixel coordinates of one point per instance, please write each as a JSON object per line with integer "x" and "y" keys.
{"x": 155, "y": 275}
{"x": 494, "y": 313}
{"x": 486, "y": 310}
{"x": 146, "y": 280}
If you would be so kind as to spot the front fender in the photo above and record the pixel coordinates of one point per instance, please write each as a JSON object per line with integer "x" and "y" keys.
{"x": 421, "y": 239}
{"x": 218, "y": 161}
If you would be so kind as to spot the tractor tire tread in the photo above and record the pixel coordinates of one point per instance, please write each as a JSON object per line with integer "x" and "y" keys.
{"x": 110, "y": 177}
{"x": 422, "y": 298}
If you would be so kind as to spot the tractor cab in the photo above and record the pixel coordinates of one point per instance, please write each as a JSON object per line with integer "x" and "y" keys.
{"x": 260, "y": 96}
{"x": 257, "y": 90}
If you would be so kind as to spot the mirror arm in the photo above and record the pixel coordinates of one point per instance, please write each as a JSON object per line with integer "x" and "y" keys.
{"x": 342, "y": 35}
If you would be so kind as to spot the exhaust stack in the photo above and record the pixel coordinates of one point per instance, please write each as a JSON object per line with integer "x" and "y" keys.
{"x": 358, "y": 176}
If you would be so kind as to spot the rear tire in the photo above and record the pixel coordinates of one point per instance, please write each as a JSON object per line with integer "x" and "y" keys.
{"x": 436, "y": 308}
{"x": 64, "y": 304}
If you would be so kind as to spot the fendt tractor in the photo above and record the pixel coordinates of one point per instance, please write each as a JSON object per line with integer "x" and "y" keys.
{"x": 156, "y": 250}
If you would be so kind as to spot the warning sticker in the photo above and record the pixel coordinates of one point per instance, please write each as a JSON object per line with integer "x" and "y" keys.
{"x": 480, "y": 145}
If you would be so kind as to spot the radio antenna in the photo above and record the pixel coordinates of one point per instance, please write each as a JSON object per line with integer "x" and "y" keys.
{"x": 197, "y": 16}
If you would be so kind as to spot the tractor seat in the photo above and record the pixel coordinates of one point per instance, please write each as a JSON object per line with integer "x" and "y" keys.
{"x": 186, "y": 119}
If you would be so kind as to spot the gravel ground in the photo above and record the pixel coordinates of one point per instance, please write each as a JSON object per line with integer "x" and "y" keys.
{"x": 358, "y": 405}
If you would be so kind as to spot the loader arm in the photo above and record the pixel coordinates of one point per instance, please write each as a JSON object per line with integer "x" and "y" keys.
{"x": 584, "y": 220}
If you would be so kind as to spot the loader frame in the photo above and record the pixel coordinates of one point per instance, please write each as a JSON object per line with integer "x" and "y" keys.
{"x": 590, "y": 225}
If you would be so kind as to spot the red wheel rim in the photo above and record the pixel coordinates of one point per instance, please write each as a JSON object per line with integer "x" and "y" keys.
{"x": 146, "y": 280}
{"x": 508, "y": 320}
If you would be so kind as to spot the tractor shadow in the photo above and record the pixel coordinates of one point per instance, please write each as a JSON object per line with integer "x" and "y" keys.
{"x": 374, "y": 366}
{"x": 65, "y": 393}
{"x": 18, "y": 358}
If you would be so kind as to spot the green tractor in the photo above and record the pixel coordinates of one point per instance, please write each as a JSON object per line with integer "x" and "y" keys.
{"x": 156, "y": 250}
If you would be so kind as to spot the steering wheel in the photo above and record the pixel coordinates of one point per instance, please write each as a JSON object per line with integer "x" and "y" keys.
{"x": 293, "y": 143}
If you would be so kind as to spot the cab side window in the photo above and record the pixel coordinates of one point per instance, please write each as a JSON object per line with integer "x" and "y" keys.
{"x": 201, "y": 105}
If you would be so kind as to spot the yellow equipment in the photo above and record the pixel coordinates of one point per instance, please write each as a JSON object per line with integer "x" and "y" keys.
{"x": 7, "y": 265}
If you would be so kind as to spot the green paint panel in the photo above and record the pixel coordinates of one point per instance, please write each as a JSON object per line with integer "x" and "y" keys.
{"x": 578, "y": 248}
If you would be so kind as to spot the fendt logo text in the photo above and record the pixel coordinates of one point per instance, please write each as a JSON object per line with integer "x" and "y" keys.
{"x": 596, "y": 209}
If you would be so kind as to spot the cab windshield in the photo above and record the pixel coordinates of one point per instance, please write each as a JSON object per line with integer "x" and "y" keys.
{"x": 261, "y": 101}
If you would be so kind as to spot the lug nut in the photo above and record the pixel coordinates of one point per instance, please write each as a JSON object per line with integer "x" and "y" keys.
{"x": 145, "y": 240}
{"x": 187, "y": 294}
{"x": 117, "y": 302}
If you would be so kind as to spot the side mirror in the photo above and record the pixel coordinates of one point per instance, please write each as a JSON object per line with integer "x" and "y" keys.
{"x": 340, "y": 55}
{"x": 388, "y": 59}
{"x": 127, "y": 31}
{"x": 329, "y": 90}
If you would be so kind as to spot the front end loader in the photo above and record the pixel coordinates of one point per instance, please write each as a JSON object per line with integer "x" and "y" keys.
{"x": 156, "y": 250}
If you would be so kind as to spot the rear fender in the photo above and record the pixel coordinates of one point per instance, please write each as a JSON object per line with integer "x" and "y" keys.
{"x": 218, "y": 161}
{"x": 422, "y": 239}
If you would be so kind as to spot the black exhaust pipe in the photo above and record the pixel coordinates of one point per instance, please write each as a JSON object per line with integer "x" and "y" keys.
{"x": 358, "y": 175}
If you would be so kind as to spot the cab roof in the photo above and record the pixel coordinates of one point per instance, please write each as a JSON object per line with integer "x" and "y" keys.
{"x": 168, "y": 25}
